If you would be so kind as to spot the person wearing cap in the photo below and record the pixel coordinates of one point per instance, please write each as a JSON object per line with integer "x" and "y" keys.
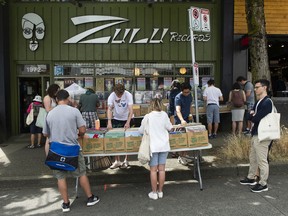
{"x": 88, "y": 106}
{"x": 64, "y": 124}
{"x": 35, "y": 105}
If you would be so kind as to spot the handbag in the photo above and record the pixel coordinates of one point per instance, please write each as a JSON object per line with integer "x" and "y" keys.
{"x": 63, "y": 156}
{"x": 41, "y": 117}
{"x": 144, "y": 149}
{"x": 30, "y": 116}
{"x": 269, "y": 126}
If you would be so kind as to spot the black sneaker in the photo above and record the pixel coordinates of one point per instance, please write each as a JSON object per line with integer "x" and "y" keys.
{"x": 259, "y": 188}
{"x": 65, "y": 207}
{"x": 92, "y": 200}
{"x": 247, "y": 181}
{"x": 214, "y": 136}
{"x": 210, "y": 136}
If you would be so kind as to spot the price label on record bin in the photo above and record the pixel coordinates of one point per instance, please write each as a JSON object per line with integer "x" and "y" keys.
{"x": 196, "y": 74}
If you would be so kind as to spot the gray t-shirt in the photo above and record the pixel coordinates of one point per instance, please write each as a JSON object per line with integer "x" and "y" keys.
{"x": 249, "y": 87}
{"x": 62, "y": 123}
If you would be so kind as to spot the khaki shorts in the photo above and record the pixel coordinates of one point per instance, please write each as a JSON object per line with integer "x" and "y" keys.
{"x": 80, "y": 171}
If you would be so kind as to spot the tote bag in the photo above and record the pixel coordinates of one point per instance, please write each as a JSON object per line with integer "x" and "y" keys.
{"x": 63, "y": 156}
{"x": 41, "y": 117}
{"x": 30, "y": 117}
{"x": 144, "y": 150}
{"x": 269, "y": 126}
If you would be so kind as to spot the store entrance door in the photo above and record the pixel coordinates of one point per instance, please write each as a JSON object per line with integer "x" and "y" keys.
{"x": 28, "y": 88}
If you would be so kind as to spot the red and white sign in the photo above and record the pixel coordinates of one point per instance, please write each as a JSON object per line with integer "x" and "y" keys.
{"x": 196, "y": 73}
{"x": 205, "y": 20}
{"x": 195, "y": 18}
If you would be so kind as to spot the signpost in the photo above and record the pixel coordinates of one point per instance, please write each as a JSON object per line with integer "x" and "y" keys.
{"x": 199, "y": 20}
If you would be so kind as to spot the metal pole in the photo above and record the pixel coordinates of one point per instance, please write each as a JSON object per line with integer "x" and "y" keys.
{"x": 193, "y": 61}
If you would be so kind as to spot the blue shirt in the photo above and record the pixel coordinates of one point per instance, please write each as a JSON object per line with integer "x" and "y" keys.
{"x": 185, "y": 103}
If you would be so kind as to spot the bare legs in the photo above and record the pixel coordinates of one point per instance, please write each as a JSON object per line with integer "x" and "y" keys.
{"x": 216, "y": 125}
{"x": 84, "y": 182}
{"x": 157, "y": 177}
{"x": 234, "y": 127}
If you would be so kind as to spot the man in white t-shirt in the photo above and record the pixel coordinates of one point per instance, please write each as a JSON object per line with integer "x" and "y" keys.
{"x": 212, "y": 95}
{"x": 119, "y": 114}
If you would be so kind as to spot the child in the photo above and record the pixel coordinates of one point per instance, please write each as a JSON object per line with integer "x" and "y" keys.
{"x": 159, "y": 124}
{"x": 35, "y": 105}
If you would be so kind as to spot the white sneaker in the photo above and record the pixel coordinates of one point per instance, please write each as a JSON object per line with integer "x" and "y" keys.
{"x": 182, "y": 161}
{"x": 188, "y": 158}
{"x": 125, "y": 165}
{"x": 153, "y": 195}
{"x": 160, "y": 195}
{"x": 115, "y": 165}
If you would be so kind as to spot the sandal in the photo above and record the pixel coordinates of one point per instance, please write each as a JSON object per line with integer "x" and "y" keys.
{"x": 31, "y": 147}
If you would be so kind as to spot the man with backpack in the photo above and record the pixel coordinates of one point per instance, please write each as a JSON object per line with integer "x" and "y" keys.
{"x": 248, "y": 87}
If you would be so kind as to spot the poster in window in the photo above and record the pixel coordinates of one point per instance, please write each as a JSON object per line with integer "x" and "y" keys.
{"x": 89, "y": 82}
{"x": 191, "y": 81}
{"x": 68, "y": 82}
{"x": 100, "y": 84}
{"x": 118, "y": 80}
{"x": 128, "y": 84}
{"x": 58, "y": 71}
{"x": 154, "y": 83}
{"x": 109, "y": 84}
{"x": 141, "y": 84}
{"x": 80, "y": 81}
{"x": 60, "y": 83}
{"x": 167, "y": 83}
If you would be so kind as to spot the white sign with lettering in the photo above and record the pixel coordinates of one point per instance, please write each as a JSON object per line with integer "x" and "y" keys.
{"x": 127, "y": 35}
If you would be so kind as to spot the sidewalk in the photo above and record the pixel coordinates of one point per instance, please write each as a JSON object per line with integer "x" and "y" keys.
{"x": 17, "y": 163}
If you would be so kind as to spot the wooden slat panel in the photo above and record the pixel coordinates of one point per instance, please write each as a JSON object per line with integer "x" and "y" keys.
{"x": 275, "y": 15}
{"x": 59, "y": 28}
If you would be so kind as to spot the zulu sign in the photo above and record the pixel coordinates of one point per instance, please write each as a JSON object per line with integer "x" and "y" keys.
{"x": 127, "y": 35}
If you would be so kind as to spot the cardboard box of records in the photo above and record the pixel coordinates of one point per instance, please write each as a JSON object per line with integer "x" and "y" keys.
{"x": 197, "y": 136}
{"x": 178, "y": 137}
{"x": 132, "y": 140}
{"x": 93, "y": 142}
{"x": 114, "y": 140}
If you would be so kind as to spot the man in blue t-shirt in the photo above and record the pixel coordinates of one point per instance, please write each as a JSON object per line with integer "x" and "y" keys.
{"x": 183, "y": 103}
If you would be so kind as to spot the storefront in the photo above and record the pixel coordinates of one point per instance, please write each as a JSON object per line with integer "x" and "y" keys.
{"x": 100, "y": 44}
{"x": 277, "y": 35}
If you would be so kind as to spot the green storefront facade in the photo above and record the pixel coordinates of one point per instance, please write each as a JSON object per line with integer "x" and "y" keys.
{"x": 122, "y": 37}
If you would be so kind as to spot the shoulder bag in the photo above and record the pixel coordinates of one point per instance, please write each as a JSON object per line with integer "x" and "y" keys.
{"x": 269, "y": 126}
{"x": 30, "y": 116}
{"x": 63, "y": 156}
{"x": 144, "y": 150}
{"x": 41, "y": 117}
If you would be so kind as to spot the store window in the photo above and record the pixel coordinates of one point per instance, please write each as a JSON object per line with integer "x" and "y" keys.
{"x": 143, "y": 80}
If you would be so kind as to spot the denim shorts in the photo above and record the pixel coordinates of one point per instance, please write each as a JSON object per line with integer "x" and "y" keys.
{"x": 80, "y": 171}
{"x": 158, "y": 158}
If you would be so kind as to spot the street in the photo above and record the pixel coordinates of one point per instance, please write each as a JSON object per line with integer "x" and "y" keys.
{"x": 221, "y": 196}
